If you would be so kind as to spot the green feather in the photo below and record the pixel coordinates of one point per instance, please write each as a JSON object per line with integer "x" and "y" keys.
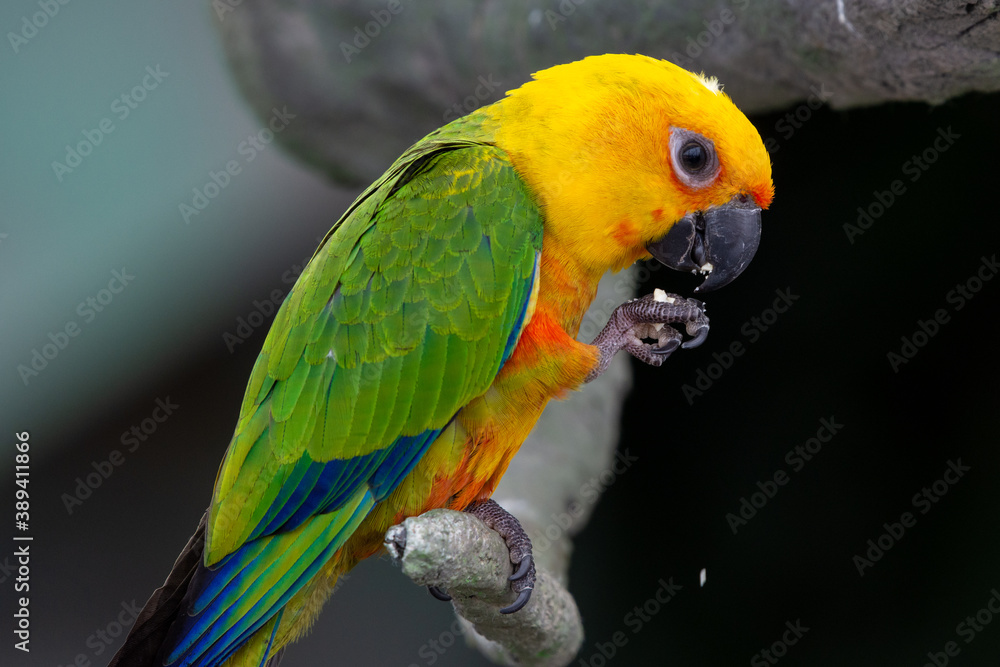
{"x": 400, "y": 319}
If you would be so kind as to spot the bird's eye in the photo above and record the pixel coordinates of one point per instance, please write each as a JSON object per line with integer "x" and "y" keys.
{"x": 693, "y": 156}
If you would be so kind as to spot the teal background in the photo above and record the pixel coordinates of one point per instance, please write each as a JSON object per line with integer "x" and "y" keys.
{"x": 120, "y": 206}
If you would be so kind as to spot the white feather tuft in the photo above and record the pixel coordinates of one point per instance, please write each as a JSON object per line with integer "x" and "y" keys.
{"x": 710, "y": 82}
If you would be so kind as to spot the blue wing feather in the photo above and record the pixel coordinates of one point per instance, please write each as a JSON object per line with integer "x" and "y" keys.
{"x": 319, "y": 504}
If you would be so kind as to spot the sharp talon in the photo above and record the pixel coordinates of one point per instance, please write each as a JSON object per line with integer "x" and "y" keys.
{"x": 522, "y": 568}
{"x": 522, "y": 599}
{"x": 500, "y": 520}
{"x": 697, "y": 340}
{"x": 439, "y": 594}
{"x": 667, "y": 348}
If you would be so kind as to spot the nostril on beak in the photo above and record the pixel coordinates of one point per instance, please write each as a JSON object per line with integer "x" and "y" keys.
{"x": 698, "y": 251}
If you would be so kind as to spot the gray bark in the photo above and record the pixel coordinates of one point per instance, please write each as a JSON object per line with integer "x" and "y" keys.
{"x": 367, "y": 78}
{"x": 458, "y": 553}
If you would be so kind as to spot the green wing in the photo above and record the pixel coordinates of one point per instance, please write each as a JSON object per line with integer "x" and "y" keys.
{"x": 404, "y": 315}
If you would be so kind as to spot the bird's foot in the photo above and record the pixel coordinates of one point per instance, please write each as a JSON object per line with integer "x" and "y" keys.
{"x": 647, "y": 318}
{"x": 522, "y": 581}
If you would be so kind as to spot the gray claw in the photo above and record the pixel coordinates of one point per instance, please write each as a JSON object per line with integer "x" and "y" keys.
{"x": 522, "y": 568}
{"x": 439, "y": 594}
{"x": 669, "y": 346}
{"x": 699, "y": 338}
{"x": 648, "y": 317}
{"x": 497, "y": 518}
{"x": 522, "y": 599}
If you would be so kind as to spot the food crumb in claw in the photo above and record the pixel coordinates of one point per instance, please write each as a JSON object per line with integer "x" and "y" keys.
{"x": 702, "y": 576}
{"x": 660, "y": 295}
{"x": 706, "y": 267}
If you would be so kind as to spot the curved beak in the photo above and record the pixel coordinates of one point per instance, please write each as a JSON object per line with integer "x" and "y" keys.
{"x": 718, "y": 242}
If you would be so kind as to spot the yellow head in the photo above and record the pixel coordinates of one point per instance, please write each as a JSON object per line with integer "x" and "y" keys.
{"x": 619, "y": 149}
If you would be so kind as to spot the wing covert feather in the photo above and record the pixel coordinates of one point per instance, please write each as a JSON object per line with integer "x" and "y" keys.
{"x": 404, "y": 315}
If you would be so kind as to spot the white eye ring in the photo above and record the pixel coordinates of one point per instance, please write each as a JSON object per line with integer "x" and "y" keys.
{"x": 693, "y": 158}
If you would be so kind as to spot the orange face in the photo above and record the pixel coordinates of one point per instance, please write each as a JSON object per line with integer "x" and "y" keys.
{"x": 622, "y": 150}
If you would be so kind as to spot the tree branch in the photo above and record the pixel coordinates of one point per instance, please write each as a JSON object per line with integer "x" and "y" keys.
{"x": 458, "y": 553}
{"x": 365, "y": 82}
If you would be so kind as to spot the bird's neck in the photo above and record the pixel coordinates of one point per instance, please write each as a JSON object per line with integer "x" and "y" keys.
{"x": 566, "y": 287}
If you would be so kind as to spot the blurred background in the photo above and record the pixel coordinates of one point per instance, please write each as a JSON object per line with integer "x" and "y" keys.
{"x": 130, "y": 323}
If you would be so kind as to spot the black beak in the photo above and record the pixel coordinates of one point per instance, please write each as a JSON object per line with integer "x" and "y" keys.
{"x": 719, "y": 242}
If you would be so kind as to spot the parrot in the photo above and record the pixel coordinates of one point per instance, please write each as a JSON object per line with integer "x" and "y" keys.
{"x": 435, "y": 321}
